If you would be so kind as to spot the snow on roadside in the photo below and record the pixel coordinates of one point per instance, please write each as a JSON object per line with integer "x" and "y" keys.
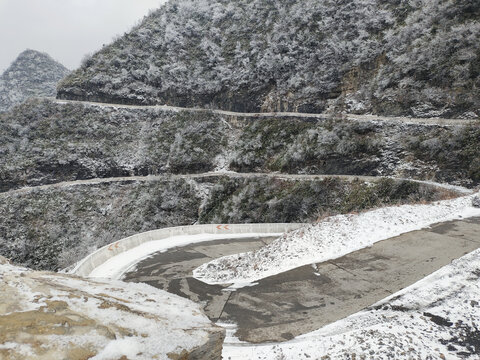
{"x": 331, "y": 238}
{"x": 116, "y": 266}
{"x": 435, "y": 318}
{"x": 458, "y": 189}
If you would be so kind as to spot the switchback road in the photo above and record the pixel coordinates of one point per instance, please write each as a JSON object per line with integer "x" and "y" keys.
{"x": 352, "y": 117}
{"x": 304, "y": 299}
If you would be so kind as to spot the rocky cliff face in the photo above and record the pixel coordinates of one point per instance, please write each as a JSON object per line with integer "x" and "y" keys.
{"x": 417, "y": 58}
{"x": 54, "y": 316}
{"x": 32, "y": 74}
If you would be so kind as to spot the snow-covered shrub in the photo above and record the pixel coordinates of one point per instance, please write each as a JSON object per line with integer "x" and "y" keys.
{"x": 476, "y": 201}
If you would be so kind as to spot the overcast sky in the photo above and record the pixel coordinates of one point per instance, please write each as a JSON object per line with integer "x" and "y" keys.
{"x": 65, "y": 29}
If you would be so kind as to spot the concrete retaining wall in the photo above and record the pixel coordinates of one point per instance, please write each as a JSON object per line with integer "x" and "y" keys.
{"x": 95, "y": 259}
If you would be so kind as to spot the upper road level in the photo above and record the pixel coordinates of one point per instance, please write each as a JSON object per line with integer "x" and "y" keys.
{"x": 352, "y": 117}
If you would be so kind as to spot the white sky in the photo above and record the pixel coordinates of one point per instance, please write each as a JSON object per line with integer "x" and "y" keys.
{"x": 65, "y": 29}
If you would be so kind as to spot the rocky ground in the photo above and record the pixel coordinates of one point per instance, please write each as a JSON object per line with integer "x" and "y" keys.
{"x": 53, "y": 316}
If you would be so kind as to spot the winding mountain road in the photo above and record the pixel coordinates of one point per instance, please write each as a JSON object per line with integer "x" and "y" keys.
{"x": 301, "y": 300}
{"x": 294, "y": 177}
{"x": 351, "y": 117}
{"x": 286, "y": 305}
{"x": 230, "y": 174}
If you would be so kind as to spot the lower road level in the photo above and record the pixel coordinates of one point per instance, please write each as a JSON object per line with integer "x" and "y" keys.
{"x": 304, "y": 299}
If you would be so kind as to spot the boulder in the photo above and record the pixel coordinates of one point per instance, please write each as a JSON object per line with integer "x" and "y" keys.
{"x": 476, "y": 202}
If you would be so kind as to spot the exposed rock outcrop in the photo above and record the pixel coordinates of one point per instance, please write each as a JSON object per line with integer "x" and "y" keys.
{"x": 53, "y": 316}
{"x": 32, "y": 74}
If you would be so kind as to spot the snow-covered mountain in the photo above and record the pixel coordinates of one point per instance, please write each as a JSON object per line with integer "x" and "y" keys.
{"x": 403, "y": 57}
{"x": 32, "y": 74}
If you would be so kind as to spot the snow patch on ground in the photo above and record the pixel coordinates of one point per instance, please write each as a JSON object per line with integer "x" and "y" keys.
{"x": 435, "y": 318}
{"x": 116, "y": 266}
{"x": 112, "y": 320}
{"x": 21, "y": 349}
{"x": 331, "y": 238}
{"x": 230, "y": 330}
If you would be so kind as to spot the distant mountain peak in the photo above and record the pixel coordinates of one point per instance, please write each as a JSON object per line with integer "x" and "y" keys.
{"x": 32, "y": 73}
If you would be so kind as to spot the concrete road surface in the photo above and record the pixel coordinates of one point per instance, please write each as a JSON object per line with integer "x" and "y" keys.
{"x": 301, "y": 300}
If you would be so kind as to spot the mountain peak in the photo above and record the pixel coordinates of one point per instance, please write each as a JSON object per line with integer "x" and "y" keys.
{"x": 32, "y": 73}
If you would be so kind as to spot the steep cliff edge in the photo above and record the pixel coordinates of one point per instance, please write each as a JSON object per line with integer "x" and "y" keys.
{"x": 32, "y": 74}
{"x": 415, "y": 58}
{"x": 54, "y": 316}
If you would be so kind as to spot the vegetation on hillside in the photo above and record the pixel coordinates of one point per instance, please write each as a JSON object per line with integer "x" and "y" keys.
{"x": 401, "y": 57}
{"x": 43, "y": 142}
{"x": 53, "y": 228}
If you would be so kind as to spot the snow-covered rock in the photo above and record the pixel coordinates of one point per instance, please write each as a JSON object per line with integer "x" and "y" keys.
{"x": 52, "y": 316}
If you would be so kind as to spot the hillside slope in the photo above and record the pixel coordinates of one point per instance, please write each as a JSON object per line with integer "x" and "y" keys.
{"x": 416, "y": 58}
{"x": 52, "y": 228}
{"x": 44, "y": 142}
{"x": 32, "y": 74}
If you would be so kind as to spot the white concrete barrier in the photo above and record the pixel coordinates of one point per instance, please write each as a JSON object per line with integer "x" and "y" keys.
{"x": 95, "y": 259}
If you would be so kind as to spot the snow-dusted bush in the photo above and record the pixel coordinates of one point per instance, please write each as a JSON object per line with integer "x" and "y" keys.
{"x": 266, "y": 200}
{"x": 476, "y": 201}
